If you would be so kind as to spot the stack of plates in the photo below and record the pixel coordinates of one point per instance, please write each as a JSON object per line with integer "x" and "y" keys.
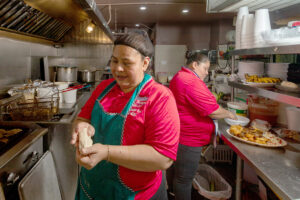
{"x": 277, "y": 70}
{"x": 251, "y": 68}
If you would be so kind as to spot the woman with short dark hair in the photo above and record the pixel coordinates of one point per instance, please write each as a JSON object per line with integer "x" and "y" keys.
{"x": 135, "y": 127}
{"x": 196, "y": 106}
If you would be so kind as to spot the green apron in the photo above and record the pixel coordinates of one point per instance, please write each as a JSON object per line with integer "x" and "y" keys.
{"x": 103, "y": 181}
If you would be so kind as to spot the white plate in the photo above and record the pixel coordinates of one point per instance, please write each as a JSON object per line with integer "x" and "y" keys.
{"x": 280, "y": 87}
{"x": 259, "y": 84}
{"x": 243, "y": 121}
{"x": 283, "y": 143}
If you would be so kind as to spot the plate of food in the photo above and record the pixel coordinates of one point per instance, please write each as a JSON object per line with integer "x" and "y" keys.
{"x": 259, "y": 84}
{"x": 288, "y": 134}
{"x": 256, "y": 81}
{"x": 255, "y": 136}
{"x": 288, "y": 86}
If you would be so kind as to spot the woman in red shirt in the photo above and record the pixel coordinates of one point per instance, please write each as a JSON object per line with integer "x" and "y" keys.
{"x": 135, "y": 127}
{"x": 196, "y": 106}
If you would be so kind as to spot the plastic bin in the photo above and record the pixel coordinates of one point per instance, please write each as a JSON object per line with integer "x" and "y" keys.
{"x": 222, "y": 153}
{"x": 205, "y": 177}
{"x": 263, "y": 108}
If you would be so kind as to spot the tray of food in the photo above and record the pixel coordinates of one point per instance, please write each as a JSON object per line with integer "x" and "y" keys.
{"x": 288, "y": 134}
{"x": 255, "y": 136}
{"x": 256, "y": 81}
{"x": 288, "y": 87}
{"x": 262, "y": 85}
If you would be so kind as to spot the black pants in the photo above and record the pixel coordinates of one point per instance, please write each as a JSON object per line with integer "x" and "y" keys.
{"x": 181, "y": 174}
{"x": 161, "y": 193}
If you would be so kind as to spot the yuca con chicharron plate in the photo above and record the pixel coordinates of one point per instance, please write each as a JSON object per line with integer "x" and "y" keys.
{"x": 278, "y": 142}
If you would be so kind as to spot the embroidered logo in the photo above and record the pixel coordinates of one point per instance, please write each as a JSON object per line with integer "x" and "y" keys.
{"x": 138, "y": 105}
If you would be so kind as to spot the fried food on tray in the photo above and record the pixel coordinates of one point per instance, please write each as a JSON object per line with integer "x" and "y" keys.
{"x": 13, "y": 132}
{"x": 249, "y": 134}
{"x": 236, "y": 129}
{"x": 4, "y": 140}
{"x": 256, "y": 79}
{"x": 7, "y": 133}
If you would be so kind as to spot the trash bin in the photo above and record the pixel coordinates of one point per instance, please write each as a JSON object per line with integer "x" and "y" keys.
{"x": 210, "y": 184}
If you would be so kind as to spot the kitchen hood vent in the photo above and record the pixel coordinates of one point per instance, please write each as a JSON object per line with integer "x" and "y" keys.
{"x": 18, "y": 17}
{"x": 79, "y": 34}
{"x": 94, "y": 13}
{"x": 213, "y": 6}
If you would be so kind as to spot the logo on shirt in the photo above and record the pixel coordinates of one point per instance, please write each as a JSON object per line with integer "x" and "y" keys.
{"x": 138, "y": 105}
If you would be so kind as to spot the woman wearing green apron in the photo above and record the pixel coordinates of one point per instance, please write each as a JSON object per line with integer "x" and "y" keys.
{"x": 135, "y": 127}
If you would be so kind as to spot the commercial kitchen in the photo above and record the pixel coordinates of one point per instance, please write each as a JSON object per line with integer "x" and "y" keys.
{"x": 53, "y": 54}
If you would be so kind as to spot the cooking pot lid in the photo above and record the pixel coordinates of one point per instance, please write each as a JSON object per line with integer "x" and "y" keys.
{"x": 68, "y": 66}
{"x": 86, "y": 70}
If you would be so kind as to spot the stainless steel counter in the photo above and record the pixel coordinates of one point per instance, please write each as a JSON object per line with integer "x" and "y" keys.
{"x": 278, "y": 167}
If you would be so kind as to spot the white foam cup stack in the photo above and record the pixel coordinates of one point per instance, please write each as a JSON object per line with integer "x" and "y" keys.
{"x": 261, "y": 24}
{"x": 242, "y": 11}
{"x": 247, "y": 31}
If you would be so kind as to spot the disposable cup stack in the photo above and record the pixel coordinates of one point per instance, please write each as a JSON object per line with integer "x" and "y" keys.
{"x": 242, "y": 11}
{"x": 261, "y": 24}
{"x": 247, "y": 38}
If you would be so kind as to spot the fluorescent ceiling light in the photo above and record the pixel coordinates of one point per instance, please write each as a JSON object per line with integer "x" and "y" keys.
{"x": 137, "y": 25}
{"x": 143, "y": 8}
{"x": 252, "y": 4}
{"x": 185, "y": 11}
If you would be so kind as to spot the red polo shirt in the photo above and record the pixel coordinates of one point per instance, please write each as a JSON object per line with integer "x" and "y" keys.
{"x": 195, "y": 102}
{"x": 153, "y": 120}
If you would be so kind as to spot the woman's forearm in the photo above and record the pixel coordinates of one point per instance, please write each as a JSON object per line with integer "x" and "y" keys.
{"x": 221, "y": 113}
{"x": 138, "y": 157}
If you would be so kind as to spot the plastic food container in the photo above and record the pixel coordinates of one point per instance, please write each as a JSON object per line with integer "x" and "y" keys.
{"x": 70, "y": 96}
{"x": 293, "y": 116}
{"x": 61, "y": 86}
{"x": 238, "y": 108}
{"x": 162, "y": 77}
{"x": 264, "y": 109}
{"x": 243, "y": 121}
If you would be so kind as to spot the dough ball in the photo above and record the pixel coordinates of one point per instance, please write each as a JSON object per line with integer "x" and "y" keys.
{"x": 84, "y": 139}
{"x": 289, "y": 84}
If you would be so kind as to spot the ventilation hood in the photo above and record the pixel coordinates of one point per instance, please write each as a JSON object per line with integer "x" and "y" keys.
{"x": 233, "y": 5}
{"x": 49, "y": 19}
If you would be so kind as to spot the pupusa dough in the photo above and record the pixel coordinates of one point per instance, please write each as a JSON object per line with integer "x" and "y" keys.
{"x": 84, "y": 139}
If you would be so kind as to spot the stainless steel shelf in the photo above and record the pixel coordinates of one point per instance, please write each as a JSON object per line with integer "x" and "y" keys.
{"x": 272, "y": 93}
{"x": 291, "y": 49}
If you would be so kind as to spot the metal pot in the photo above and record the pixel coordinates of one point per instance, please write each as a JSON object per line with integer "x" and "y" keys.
{"x": 86, "y": 76}
{"x": 66, "y": 74}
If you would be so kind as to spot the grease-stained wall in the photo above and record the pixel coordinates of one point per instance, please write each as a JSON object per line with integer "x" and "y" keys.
{"x": 20, "y": 59}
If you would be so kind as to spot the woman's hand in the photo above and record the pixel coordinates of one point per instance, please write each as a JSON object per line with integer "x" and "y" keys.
{"x": 232, "y": 115}
{"x": 79, "y": 126}
{"x": 91, "y": 156}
